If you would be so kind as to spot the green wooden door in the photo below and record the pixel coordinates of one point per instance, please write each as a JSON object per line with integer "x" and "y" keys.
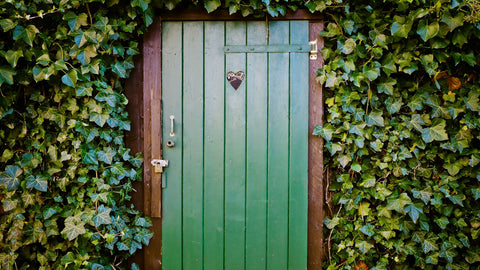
{"x": 235, "y": 191}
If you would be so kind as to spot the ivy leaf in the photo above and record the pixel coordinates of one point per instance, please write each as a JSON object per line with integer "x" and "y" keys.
{"x": 211, "y": 5}
{"x": 9, "y": 178}
{"x": 13, "y": 56}
{"x": 6, "y": 75}
{"x": 423, "y": 195}
{"x": 99, "y": 119}
{"x": 27, "y": 34}
{"x": 326, "y": 131}
{"x": 364, "y": 209}
{"x": 436, "y": 132}
{"x": 7, "y": 24}
{"x": 70, "y": 78}
{"x": 368, "y": 180}
{"x": 73, "y": 229}
{"x": 387, "y": 86}
{"x": 453, "y": 22}
{"x": 38, "y": 182}
{"x": 375, "y": 118}
{"x": 74, "y": 21}
{"x": 413, "y": 211}
{"x": 427, "y": 31}
{"x": 119, "y": 69}
{"x": 368, "y": 229}
{"x": 430, "y": 243}
{"x": 363, "y": 246}
{"x": 401, "y": 27}
{"x": 9, "y": 204}
{"x": 442, "y": 222}
{"x": 331, "y": 222}
{"x": 472, "y": 101}
{"x": 399, "y": 203}
{"x": 140, "y": 3}
{"x": 102, "y": 216}
{"x": 107, "y": 155}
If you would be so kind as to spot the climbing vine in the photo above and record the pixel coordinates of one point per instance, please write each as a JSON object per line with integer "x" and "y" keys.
{"x": 402, "y": 135}
{"x": 66, "y": 174}
{"x": 401, "y": 131}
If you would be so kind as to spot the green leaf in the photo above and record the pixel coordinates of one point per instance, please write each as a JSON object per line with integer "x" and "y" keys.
{"x": 399, "y": 203}
{"x": 363, "y": 246}
{"x": 9, "y": 204}
{"x": 6, "y": 75}
{"x": 9, "y": 178}
{"x": 401, "y": 27}
{"x": 7, "y": 24}
{"x": 472, "y": 101}
{"x": 453, "y": 22}
{"x": 47, "y": 213}
{"x": 326, "y": 131}
{"x": 13, "y": 56}
{"x": 27, "y": 34}
{"x": 413, "y": 211}
{"x": 73, "y": 228}
{"x": 331, "y": 222}
{"x": 387, "y": 86}
{"x": 375, "y": 118}
{"x": 107, "y": 155}
{"x": 364, "y": 209}
{"x": 70, "y": 78}
{"x": 74, "y": 21}
{"x": 427, "y": 31}
{"x": 442, "y": 222}
{"x": 348, "y": 47}
{"x": 119, "y": 69}
{"x": 436, "y": 132}
{"x": 368, "y": 229}
{"x": 211, "y": 5}
{"x": 102, "y": 217}
{"x": 99, "y": 119}
{"x": 38, "y": 182}
{"x": 424, "y": 194}
{"x": 368, "y": 180}
{"x": 430, "y": 243}
{"x": 140, "y": 3}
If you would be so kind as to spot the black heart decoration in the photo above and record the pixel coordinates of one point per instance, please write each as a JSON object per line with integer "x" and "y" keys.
{"x": 235, "y": 79}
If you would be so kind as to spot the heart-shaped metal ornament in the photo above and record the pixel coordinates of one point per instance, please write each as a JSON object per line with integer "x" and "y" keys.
{"x": 235, "y": 79}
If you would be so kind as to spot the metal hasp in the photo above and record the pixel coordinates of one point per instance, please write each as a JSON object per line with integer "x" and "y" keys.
{"x": 313, "y": 49}
{"x": 159, "y": 164}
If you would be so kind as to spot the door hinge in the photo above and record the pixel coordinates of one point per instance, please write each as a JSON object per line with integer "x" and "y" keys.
{"x": 313, "y": 49}
{"x": 159, "y": 164}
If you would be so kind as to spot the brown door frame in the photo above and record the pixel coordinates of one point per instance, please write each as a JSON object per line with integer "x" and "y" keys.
{"x": 144, "y": 91}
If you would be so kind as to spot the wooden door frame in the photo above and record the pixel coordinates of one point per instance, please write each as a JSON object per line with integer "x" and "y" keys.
{"x": 144, "y": 91}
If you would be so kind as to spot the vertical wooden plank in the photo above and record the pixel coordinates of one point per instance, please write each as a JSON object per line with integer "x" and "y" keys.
{"x": 152, "y": 139}
{"x": 214, "y": 147}
{"x": 278, "y": 136}
{"x": 235, "y": 153}
{"x": 256, "y": 197}
{"x": 172, "y": 194}
{"x": 193, "y": 145}
{"x": 298, "y": 182}
{"x": 315, "y": 159}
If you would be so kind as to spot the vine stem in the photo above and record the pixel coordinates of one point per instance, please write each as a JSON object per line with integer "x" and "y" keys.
{"x": 89, "y": 14}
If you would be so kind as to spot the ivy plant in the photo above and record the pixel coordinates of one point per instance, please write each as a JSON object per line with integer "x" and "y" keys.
{"x": 65, "y": 172}
{"x": 402, "y": 134}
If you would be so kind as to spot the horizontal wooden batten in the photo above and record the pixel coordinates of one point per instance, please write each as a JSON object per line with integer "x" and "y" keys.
{"x": 300, "y": 48}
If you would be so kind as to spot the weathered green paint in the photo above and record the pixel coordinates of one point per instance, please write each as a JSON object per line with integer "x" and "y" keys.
{"x": 236, "y": 185}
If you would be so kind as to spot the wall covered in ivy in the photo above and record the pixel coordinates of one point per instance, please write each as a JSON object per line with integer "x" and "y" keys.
{"x": 401, "y": 132}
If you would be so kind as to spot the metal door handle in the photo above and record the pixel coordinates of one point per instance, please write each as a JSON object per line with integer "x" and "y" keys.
{"x": 171, "y": 125}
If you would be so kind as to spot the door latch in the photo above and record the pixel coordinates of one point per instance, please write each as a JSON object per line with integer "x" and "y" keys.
{"x": 313, "y": 49}
{"x": 159, "y": 164}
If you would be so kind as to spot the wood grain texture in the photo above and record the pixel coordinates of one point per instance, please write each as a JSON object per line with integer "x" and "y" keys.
{"x": 278, "y": 149}
{"x": 315, "y": 159}
{"x": 256, "y": 182}
{"x": 298, "y": 149}
{"x": 235, "y": 125}
{"x": 214, "y": 148}
{"x": 152, "y": 138}
{"x": 134, "y": 138}
{"x": 172, "y": 94}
